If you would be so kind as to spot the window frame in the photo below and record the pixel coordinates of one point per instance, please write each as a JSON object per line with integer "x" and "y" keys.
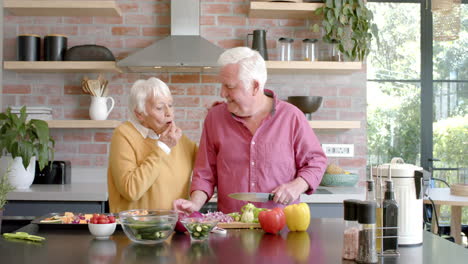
{"x": 426, "y": 81}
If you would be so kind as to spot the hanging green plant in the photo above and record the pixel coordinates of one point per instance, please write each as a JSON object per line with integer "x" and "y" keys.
{"x": 349, "y": 23}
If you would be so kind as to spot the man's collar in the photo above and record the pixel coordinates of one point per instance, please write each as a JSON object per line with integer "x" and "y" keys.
{"x": 144, "y": 131}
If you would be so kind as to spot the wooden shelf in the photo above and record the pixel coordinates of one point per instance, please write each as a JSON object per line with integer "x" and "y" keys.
{"x": 277, "y": 10}
{"x": 61, "y": 66}
{"x": 323, "y": 124}
{"x": 311, "y": 66}
{"x": 83, "y": 123}
{"x": 61, "y": 8}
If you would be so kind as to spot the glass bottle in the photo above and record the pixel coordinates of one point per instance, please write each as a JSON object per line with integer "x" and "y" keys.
{"x": 351, "y": 232}
{"x": 370, "y": 196}
{"x": 309, "y": 51}
{"x": 390, "y": 219}
{"x": 366, "y": 218}
{"x": 285, "y": 49}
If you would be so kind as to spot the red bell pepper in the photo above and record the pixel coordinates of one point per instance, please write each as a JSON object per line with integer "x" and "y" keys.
{"x": 272, "y": 221}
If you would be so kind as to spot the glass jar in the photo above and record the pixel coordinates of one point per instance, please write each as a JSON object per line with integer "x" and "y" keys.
{"x": 285, "y": 49}
{"x": 336, "y": 54}
{"x": 351, "y": 232}
{"x": 367, "y": 252}
{"x": 309, "y": 50}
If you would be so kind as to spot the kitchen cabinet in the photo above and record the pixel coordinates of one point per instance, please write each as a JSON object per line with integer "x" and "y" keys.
{"x": 62, "y": 8}
{"x": 41, "y": 199}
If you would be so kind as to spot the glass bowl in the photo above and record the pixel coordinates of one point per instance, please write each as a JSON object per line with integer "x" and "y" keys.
{"x": 199, "y": 228}
{"x": 148, "y": 226}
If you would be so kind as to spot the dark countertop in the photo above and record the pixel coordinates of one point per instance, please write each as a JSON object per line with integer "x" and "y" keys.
{"x": 321, "y": 244}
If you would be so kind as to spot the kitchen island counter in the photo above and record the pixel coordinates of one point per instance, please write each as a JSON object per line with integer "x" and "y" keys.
{"x": 41, "y": 199}
{"x": 322, "y": 243}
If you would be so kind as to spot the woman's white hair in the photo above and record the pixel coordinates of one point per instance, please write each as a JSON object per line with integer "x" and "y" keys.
{"x": 142, "y": 90}
{"x": 251, "y": 64}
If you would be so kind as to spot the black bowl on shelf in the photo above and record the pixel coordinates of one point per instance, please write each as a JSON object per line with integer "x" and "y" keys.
{"x": 307, "y": 104}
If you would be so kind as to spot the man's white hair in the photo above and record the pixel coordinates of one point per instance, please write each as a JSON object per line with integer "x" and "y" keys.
{"x": 142, "y": 90}
{"x": 251, "y": 65}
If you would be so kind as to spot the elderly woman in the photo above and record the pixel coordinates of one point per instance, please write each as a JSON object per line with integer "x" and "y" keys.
{"x": 150, "y": 161}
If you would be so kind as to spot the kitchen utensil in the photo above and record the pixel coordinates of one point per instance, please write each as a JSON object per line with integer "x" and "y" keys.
{"x": 60, "y": 173}
{"x": 55, "y": 47}
{"x": 259, "y": 42}
{"x": 339, "y": 179}
{"x": 148, "y": 226}
{"x": 89, "y": 53}
{"x": 307, "y": 104}
{"x": 102, "y": 231}
{"x": 407, "y": 195}
{"x": 199, "y": 228}
{"x": 29, "y": 46}
{"x": 98, "y": 109}
{"x": 252, "y": 197}
{"x": 285, "y": 49}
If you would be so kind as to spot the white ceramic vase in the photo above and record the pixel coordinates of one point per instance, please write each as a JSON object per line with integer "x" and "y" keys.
{"x": 98, "y": 109}
{"x": 19, "y": 177}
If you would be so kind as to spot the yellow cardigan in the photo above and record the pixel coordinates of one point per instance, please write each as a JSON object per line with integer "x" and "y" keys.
{"x": 142, "y": 176}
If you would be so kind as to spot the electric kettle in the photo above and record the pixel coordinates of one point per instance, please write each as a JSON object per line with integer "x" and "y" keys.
{"x": 407, "y": 184}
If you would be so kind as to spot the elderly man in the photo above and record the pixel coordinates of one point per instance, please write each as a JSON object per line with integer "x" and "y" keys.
{"x": 150, "y": 161}
{"x": 253, "y": 142}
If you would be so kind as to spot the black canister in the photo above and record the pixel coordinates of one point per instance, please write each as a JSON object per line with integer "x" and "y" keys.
{"x": 29, "y": 46}
{"x": 55, "y": 47}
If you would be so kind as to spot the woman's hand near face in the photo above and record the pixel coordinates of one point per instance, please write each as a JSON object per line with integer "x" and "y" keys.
{"x": 171, "y": 135}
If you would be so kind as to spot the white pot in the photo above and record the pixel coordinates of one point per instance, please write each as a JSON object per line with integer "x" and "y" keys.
{"x": 19, "y": 177}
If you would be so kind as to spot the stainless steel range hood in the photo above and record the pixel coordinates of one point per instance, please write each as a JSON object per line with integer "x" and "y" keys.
{"x": 183, "y": 51}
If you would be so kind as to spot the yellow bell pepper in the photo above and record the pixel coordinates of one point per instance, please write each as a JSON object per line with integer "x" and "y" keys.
{"x": 297, "y": 216}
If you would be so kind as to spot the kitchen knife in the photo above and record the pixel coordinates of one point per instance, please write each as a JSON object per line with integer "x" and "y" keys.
{"x": 252, "y": 197}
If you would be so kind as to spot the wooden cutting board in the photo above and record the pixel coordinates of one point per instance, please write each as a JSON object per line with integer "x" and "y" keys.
{"x": 235, "y": 225}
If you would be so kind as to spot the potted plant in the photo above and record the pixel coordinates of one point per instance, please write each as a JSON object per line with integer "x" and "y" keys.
{"x": 5, "y": 188}
{"x": 348, "y": 24}
{"x": 23, "y": 141}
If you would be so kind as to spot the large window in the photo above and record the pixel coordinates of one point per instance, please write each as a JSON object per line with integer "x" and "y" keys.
{"x": 417, "y": 91}
{"x": 394, "y": 86}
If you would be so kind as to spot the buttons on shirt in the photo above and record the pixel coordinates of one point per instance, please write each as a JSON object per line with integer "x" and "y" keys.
{"x": 253, "y": 142}
{"x": 252, "y": 184}
{"x": 253, "y": 163}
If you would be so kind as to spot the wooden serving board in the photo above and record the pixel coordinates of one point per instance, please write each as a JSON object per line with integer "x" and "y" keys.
{"x": 235, "y": 225}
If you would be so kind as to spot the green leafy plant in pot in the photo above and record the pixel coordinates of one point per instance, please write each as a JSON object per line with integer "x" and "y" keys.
{"x": 348, "y": 23}
{"x": 25, "y": 141}
{"x": 5, "y": 188}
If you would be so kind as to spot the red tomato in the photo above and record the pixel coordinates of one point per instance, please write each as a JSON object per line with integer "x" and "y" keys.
{"x": 272, "y": 221}
{"x": 102, "y": 216}
{"x": 103, "y": 221}
{"x": 95, "y": 215}
{"x": 94, "y": 221}
{"x": 111, "y": 219}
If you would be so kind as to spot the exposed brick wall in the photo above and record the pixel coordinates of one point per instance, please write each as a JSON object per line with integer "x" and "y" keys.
{"x": 223, "y": 22}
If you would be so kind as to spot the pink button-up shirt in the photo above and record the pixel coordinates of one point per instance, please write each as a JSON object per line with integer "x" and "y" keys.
{"x": 283, "y": 148}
